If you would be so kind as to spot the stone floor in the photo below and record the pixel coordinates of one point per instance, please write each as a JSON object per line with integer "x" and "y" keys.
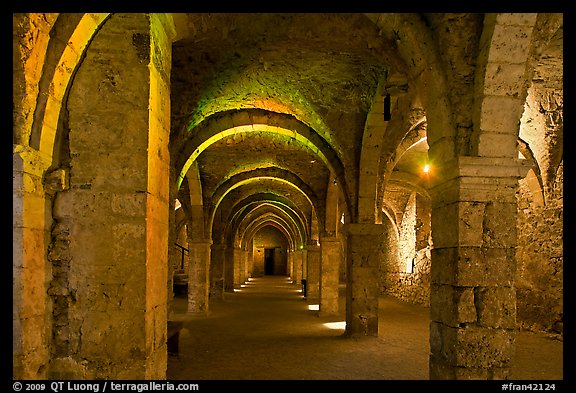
{"x": 268, "y": 331}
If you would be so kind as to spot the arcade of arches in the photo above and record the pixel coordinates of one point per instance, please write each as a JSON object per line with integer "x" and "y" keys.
{"x": 413, "y": 155}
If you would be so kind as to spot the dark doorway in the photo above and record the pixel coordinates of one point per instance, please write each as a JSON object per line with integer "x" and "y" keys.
{"x": 268, "y": 261}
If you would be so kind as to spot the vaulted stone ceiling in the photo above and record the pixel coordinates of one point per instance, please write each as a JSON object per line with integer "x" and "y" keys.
{"x": 320, "y": 70}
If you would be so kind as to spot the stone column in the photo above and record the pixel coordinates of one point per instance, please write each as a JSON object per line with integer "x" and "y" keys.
{"x": 304, "y": 263}
{"x": 198, "y": 276}
{"x": 116, "y": 211}
{"x": 297, "y": 258}
{"x": 313, "y": 272}
{"x": 30, "y": 236}
{"x": 229, "y": 269}
{"x": 329, "y": 275}
{"x": 364, "y": 249}
{"x": 244, "y": 274}
{"x": 290, "y": 257}
{"x": 473, "y": 299}
{"x": 217, "y": 257}
{"x": 250, "y": 262}
{"x": 237, "y": 266}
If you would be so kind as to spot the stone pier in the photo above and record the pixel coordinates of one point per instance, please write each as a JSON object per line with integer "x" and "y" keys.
{"x": 473, "y": 299}
{"x": 364, "y": 243}
{"x": 329, "y": 275}
{"x": 198, "y": 276}
{"x": 217, "y": 257}
{"x": 313, "y": 272}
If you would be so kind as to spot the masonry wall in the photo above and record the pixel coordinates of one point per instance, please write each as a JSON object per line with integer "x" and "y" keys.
{"x": 405, "y": 272}
{"x": 539, "y": 252}
{"x": 269, "y": 237}
{"x": 539, "y": 255}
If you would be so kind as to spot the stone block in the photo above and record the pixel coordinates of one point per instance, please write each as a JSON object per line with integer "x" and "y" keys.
{"x": 473, "y": 266}
{"x": 452, "y": 305}
{"x": 500, "y": 114}
{"x": 510, "y": 43}
{"x": 472, "y": 346}
{"x": 516, "y": 18}
{"x": 496, "y": 144}
{"x": 496, "y": 307}
{"x": 503, "y": 79}
{"x": 499, "y": 227}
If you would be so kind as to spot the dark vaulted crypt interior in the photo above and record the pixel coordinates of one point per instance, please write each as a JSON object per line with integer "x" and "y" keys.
{"x": 282, "y": 196}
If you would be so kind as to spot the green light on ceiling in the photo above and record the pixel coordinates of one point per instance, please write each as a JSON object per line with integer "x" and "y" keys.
{"x": 261, "y": 128}
{"x": 258, "y": 178}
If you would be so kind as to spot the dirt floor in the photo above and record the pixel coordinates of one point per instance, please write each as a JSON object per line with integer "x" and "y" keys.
{"x": 268, "y": 331}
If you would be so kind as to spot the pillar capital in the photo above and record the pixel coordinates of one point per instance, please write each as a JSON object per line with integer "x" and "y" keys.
{"x": 477, "y": 179}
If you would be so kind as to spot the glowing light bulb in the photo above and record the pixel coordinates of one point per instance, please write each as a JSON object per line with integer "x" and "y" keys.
{"x": 426, "y": 168}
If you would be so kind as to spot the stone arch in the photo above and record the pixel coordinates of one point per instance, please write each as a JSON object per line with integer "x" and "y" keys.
{"x": 502, "y": 77}
{"x": 63, "y": 73}
{"x": 263, "y": 221}
{"x": 242, "y": 209}
{"x": 191, "y": 197}
{"x": 250, "y": 213}
{"x": 534, "y": 177}
{"x": 274, "y": 174}
{"x": 227, "y": 123}
{"x": 424, "y": 75}
{"x": 332, "y": 209}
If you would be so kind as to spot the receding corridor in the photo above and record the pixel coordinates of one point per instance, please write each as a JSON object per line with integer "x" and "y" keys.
{"x": 177, "y": 176}
{"x": 268, "y": 331}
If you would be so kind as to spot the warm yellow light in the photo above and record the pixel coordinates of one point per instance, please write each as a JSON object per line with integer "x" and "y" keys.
{"x": 426, "y": 168}
{"x": 314, "y": 307}
{"x": 336, "y": 325}
{"x": 237, "y": 290}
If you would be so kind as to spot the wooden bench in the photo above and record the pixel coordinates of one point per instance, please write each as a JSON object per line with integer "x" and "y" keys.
{"x": 173, "y": 336}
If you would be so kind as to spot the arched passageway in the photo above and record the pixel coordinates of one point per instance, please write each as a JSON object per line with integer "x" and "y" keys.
{"x": 416, "y": 156}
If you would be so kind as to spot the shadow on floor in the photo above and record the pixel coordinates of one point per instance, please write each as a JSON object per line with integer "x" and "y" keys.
{"x": 266, "y": 330}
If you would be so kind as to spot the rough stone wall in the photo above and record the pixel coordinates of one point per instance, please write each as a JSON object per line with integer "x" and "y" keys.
{"x": 405, "y": 271}
{"x": 539, "y": 257}
{"x": 539, "y": 253}
{"x": 269, "y": 237}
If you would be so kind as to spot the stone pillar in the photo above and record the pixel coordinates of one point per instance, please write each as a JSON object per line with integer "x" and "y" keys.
{"x": 217, "y": 258}
{"x": 329, "y": 275}
{"x": 198, "y": 276}
{"x": 30, "y": 236}
{"x": 297, "y": 257}
{"x": 364, "y": 249}
{"x": 237, "y": 266}
{"x": 305, "y": 263}
{"x": 473, "y": 299}
{"x": 243, "y": 266}
{"x": 116, "y": 210}
{"x": 313, "y": 272}
{"x": 250, "y": 262}
{"x": 290, "y": 257}
{"x": 229, "y": 269}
